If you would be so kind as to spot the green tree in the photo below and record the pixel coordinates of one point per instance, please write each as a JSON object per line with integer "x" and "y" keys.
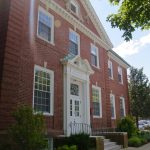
{"x": 131, "y": 14}
{"x": 28, "y": 131}
{"x": 139, "y": 93}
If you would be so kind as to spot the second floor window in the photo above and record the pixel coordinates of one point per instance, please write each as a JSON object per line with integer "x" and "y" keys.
{"x": 96, "y": 97}
{"x": 110, "y": 69}
{"x": 120, "y": 77}
{"x": 45, "y": 25}
{"x": 74, "y": 43}
{"x": 94, "y": 56}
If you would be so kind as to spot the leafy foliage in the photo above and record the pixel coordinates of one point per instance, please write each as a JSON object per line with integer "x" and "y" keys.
{"x": 135, "y": 141}
{"x": 81, "y": 140}
{"x": 139, "y": 92}
{"x": 131, "y": 14}
{"x": 28, "y": 130}
{"x": 127, "y": 124}
{"x": 66, "y": 147}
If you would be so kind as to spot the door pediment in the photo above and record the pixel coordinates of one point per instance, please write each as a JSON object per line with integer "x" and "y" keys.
{"x": 78, "y": 63}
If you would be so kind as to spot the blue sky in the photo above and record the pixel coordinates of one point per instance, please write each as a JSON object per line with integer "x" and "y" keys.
{"x": 137, "y": 51}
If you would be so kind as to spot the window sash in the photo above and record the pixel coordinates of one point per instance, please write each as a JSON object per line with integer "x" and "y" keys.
{"x": 96, "y": 102}
{"x": 42, "y": 91}
{"x": 122, "y": 107}
{"x": 96, "y": 108}
{"x": 112, "y": 106}
{"x": 94, "y": 59}
{"x": 73, "y": 48}
{"x": 44, "y": 31}
{"x": 45, "y": 19}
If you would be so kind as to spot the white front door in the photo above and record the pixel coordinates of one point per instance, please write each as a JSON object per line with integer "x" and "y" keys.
{"x": 75, "y": 102}
{"x": 76, "y": 109}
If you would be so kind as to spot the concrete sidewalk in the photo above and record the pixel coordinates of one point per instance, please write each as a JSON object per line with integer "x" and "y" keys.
{"x": 144, "y": 147}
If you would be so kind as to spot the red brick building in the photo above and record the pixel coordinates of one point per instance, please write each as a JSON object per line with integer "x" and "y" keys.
{"x": 56, "y": 56}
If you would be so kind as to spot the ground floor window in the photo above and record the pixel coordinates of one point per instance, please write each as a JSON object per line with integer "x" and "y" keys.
{"x": 112, "y": 106}
{"x": 43, "y": 90}
{"x": 96, "y": 98}
{"x": 122, "y": 107}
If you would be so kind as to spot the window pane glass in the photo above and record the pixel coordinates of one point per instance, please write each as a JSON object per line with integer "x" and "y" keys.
{"x": 42, "y": 93}
{"x": 73, "y": 48}
{"x": 94, "y": 60}
{"x": 74, "y": 89}
{"x": 45, "y": 19}
{"x": 96, "y": 102}
{"x": 73, "y": 37}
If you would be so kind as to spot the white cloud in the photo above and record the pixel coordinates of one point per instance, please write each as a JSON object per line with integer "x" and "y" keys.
{"x": 132, "y": 47}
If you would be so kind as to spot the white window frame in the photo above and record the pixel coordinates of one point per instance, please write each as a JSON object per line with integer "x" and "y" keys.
{"x": 36, "y": 67}
{"x": 74, "y": 32}
{"x": 112, "y": 98}
{"x": 52, "y": 28}
{"x": 97, "y": 55}
{"x": 110, "y": 66}
{"x": 120, "y": 72}
{"x": 100, "y": 101}
{"x": 123, "y": 100}
{"x": 73, "y": 2}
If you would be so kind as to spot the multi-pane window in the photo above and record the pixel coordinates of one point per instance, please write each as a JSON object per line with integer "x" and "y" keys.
{"x": 74, "y": 43}
{"x": 120, "y": 77}
{"x": 43, "y": 90}
{"x": 94, "y": 56}
{"x": 122, "y": 107}
{"x": 96, "y": 98}
{"x": 110, "y": 69}
{"x": 45, "y": 25}
{"x": 112, "y": 106}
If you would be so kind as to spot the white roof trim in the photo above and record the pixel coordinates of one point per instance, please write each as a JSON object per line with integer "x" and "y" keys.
{"x": 77, "y": 24}
{"x": 97, "y": 23}
{"x": 118, "y": 60}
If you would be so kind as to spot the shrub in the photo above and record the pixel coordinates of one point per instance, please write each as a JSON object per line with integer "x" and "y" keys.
{"x": 28, "y": 131}
{"x": 127, "y": 124}
{"x": 135, "y": 141}
{"x": 82, "y": 141}
{"x": 66, "y": 147}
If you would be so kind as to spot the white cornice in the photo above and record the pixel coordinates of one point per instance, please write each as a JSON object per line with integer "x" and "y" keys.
{"x": 94, "y": 18}
{"x": 118, "y": 60}
{"x": 76, "y": 23}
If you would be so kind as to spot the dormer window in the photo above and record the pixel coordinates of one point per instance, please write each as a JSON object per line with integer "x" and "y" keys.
{"x": 74, "y": 7}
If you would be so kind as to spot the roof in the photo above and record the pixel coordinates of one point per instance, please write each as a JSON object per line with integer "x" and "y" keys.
{"x": 118, "y": 58}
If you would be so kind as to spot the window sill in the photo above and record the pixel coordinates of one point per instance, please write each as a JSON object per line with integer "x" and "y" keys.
{"x": 113, "y": 118}
{"x": 97, "y": 67}
{"x": 111, "y": 78}
{"x": 49, "y": 42}
{"x": 98, "y": 117}
{"x": 44, "y": 114}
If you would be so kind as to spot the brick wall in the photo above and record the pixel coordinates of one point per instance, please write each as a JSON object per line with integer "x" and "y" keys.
{"x": 23, "y": 51}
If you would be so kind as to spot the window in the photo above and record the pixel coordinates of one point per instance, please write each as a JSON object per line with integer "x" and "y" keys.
{"x": 110, "y": 69}
{"x": 96, "y": 97}
{"x": 43, "y": 90}
{"x": 112, "y": 106}
{"x": 122, "y": 107}
{"x": 45, "y": 26}
{"x": 74, "y": 43}
{"x": 120, "y": 78}
{"x": 94, "y": 56}
{"x": 74, "y": 7}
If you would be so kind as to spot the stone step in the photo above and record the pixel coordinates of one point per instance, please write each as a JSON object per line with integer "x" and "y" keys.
{"x": 109, "y": 144}
{"x": 114, "y": 147}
